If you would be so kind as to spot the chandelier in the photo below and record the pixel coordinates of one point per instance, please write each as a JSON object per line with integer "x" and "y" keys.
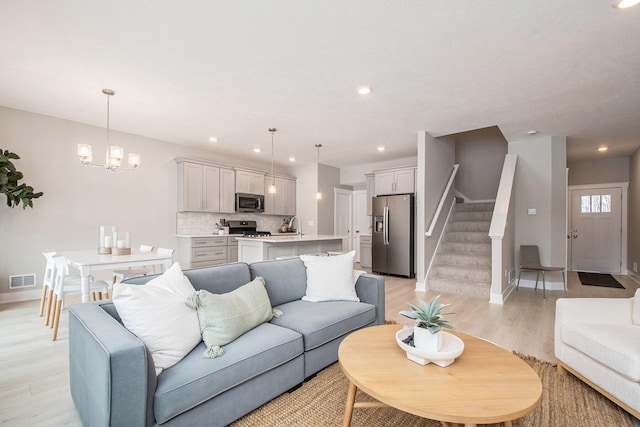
{"x": 114, "y": 153}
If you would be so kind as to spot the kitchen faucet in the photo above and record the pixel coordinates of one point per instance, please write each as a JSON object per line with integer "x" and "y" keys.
{"x": 299, "y": 228}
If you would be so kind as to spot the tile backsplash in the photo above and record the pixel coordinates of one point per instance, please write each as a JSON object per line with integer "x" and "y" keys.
{"x": 199, "y": 223}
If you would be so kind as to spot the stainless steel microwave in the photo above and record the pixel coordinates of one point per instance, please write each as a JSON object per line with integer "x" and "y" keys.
{"x": 249, "y": 202}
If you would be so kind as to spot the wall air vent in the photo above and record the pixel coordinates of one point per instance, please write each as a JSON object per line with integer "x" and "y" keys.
{"x": 22, "y": 281}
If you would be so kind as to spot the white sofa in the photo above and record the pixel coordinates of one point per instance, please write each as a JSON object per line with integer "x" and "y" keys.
{"x": 598, "y": 340}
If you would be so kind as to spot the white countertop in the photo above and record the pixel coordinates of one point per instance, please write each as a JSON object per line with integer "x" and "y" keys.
{"x": 287, "y": 238}
{"x": 197, "y": 236}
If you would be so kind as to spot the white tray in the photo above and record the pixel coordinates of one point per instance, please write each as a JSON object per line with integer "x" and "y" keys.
{"x": 452, "y": 347}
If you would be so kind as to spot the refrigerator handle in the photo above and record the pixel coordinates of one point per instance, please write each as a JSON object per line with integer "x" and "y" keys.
{"x": 386, "y": 225}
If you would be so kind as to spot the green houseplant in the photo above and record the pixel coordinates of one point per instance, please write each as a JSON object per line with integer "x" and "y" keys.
{"x": 427, "y": 331}
{"x": 9, "y": 182}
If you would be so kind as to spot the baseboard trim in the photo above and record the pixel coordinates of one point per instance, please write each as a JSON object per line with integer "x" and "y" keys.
{"x": 20, "y": 296}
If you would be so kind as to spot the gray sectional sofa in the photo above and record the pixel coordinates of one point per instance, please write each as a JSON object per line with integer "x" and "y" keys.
{"x": 113, "y": 382}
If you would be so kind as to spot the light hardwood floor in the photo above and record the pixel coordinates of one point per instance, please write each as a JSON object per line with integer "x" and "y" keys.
{"x": 34, "y": 372}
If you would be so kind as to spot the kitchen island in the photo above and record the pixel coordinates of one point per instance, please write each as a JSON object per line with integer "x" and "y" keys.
{"x": 253, "y": 249}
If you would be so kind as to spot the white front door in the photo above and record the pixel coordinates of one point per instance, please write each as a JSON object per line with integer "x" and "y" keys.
{"x": 343, "y": 218}
{"x": 596, "y": 230}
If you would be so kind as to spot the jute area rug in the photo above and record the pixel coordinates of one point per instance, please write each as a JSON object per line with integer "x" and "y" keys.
{"x": 566, "y": 401}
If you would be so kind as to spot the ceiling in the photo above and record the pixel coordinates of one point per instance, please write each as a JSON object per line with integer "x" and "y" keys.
{"x": 185, "y": 71}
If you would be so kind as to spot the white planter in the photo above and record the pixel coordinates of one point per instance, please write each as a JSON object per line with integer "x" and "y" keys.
{"x": 423, "y": 339}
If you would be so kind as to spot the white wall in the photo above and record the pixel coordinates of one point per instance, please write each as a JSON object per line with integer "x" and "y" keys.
{"x": 78, "y": 199}
{"x": 540, "y": 184}
{"x": 355, "y": 175}
{"x": 633, "y": 245}
{"x": 306, "y": 203}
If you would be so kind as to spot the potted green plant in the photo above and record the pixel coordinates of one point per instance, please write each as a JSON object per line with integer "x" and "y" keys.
{"x": 9, "y": 178}
{"x": 427, "y": 331}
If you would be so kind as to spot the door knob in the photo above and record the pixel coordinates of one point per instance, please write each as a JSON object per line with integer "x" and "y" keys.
{"x": 575, "y": 236}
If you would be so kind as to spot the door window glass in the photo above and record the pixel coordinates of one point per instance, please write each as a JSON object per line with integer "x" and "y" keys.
{"x": 597, "y": 203}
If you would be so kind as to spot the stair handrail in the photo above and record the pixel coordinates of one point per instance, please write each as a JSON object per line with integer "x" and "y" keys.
{"x": 503, "y": 198}
{"x": 443, "y": 199}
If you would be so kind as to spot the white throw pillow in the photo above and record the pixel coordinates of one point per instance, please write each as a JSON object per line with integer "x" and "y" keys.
{"x": 156, "y": 313}
{"x": 330, "y": 278}
{"x": 635, "y": 312}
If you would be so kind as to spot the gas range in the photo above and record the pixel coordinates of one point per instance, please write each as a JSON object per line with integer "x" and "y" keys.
{"x": 246, "y": 229}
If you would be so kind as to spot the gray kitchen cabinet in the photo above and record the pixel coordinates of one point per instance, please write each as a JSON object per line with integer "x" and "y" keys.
{"x": 249, "y": 182}
{"x": 395, "y": 181}
{"x": 284, "y": 201}
{"x": 198, "y": 188}
{"x": 365, "y": 252}
{"x": 204, "y": 251}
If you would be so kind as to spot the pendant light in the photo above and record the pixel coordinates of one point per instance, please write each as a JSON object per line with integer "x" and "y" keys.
{"x": 114, "y": 153}
{"x": 272, "y": 187}
{"x": 318, "y": 193}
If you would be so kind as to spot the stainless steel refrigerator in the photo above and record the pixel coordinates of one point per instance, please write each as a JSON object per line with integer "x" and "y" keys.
{"x": 393, "y": 235}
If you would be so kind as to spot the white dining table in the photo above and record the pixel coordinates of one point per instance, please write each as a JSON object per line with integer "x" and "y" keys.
{"x": 90, "y": 261}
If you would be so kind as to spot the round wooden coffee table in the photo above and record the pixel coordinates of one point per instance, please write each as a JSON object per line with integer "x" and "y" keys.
{"x": 486, "y": 384}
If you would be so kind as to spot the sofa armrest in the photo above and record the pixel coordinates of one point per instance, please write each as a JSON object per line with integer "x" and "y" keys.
{"x": 609, "y": 311}
{"x": 112, "y": 377}
{"x": 370, "y": 289}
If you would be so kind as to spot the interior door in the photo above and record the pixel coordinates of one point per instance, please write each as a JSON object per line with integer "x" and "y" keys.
{"x": 596, "y": 230}
{"x": 343, "y": 218}
{"x": 361, "y": 221}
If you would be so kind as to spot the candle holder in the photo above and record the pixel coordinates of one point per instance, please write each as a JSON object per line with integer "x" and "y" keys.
{"x": 122, "y": 244}
{"x": 107, "y": 233}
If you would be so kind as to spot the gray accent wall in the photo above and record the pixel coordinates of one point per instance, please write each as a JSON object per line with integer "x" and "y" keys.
{"x": 480, "y": 154}
{"x": 599, "y": 171}
{"x": 633, "y": 224}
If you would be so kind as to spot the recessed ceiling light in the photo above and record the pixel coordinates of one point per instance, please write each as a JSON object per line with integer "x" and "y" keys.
{"x": 380, "y": 148}
{"x": 292, "y": 159}
{"x": 624, "y": 4}
{"x": 213, "y": 139}
{"x": 256, "y": 150}
{"x": 603, "y": 148}
{"x": 364, "y": 90}
{"x": 532, "y": 132}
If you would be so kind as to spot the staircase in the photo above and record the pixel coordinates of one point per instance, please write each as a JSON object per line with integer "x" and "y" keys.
{"x": 463, "y": 261}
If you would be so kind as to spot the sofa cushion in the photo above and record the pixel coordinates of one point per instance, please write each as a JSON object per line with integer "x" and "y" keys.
{"x": 157, "y": 314}
{"x": 330, "y": 278}
{"x": 617, "y": 347}
{"x": 321, "y": 322}
{"x": 224, "y": 317}
{"x": 219, "y": 279}
{"x": 285, "y": 280}
{"x": 195, "y": 379}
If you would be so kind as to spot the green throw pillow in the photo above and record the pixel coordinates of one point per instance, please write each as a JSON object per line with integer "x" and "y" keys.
{"x": 224, "y": 317}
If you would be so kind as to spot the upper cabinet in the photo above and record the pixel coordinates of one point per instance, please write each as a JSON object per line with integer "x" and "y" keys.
{"x": 395, "y": 181}
{"x": 249, "y": 182}
{"x": 284, "y": 201}
{"x": 205, "y": 188}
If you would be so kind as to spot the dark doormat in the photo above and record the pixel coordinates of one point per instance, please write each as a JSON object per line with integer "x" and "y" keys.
{"x": 599, "y": 279}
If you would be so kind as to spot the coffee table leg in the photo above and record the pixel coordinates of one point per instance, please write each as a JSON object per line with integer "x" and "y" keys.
{"x": 348, "y": 410}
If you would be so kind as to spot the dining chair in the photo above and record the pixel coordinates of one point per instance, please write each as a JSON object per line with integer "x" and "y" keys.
{"x": 530, "y": 261}
{"x": 48, "y": 285}
{"x": 164, "y": 252}
{"x": 120, "y": 275}
{"x": 63, "y": 286}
